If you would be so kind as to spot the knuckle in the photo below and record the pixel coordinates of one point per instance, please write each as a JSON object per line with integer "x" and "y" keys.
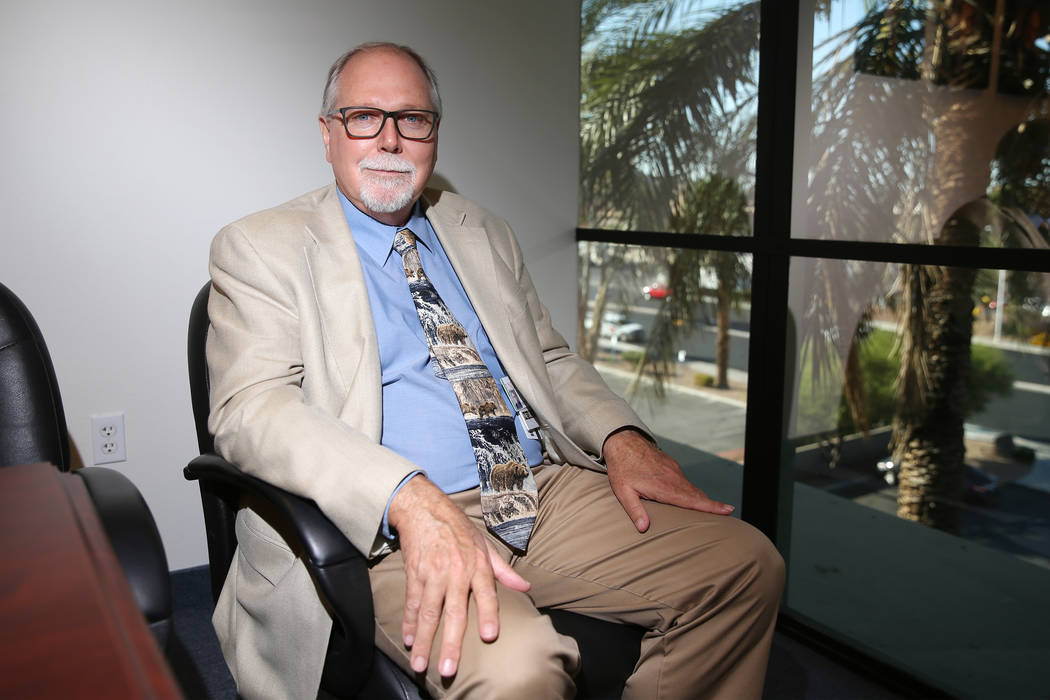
{"x": 430, "y": 616}
{"x": 455, "y": 610}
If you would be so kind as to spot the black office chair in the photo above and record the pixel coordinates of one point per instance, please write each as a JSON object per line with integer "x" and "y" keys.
{"x": 353, "y": 667}
{"x": 33, "y": 429}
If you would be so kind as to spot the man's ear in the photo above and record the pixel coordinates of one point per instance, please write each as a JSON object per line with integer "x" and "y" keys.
{"x": 326, "y": 135}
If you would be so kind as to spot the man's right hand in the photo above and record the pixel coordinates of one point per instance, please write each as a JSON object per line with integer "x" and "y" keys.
{"x": 446, "y": 559}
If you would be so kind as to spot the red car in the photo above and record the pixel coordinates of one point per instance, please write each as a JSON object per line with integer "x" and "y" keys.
{"x": 656, "y": 291}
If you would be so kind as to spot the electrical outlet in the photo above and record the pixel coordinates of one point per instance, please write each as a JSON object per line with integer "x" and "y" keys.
{"x": 107, "y": 438}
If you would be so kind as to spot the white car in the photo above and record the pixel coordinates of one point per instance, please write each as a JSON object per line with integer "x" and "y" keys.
{"x": 611, "y": 320}
{"x": 628, "y": 333}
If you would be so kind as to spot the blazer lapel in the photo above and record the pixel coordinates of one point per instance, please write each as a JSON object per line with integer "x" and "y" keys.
{"x": 487, "y": 281}
{"x": 345, "y": 316}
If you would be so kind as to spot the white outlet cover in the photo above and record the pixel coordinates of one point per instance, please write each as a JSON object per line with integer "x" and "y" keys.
{"x": 107, "y": 438}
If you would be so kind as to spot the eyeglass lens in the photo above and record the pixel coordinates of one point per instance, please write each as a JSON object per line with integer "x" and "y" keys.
{"x": 411, "y": 124}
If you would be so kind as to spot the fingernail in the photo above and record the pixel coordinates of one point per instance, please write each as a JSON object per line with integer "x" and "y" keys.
{"x": 419, "y": 664}
{"x": 409, "y": 639}
{"x": 447, "y": 668}
{"x": 488, "y": 632}
{"x": 640, "y": 524}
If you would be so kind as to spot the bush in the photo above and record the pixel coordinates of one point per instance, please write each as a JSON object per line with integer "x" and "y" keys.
{"x": 632, "y": 356}
{"x": 703, "y": 380}
{"x": 990, "y": 373}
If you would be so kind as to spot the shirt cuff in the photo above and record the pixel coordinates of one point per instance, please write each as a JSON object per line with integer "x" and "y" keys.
{"x": 385, "y": 530}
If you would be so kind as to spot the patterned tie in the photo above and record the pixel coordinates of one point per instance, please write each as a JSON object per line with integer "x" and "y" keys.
{"x": 508, "y": 491}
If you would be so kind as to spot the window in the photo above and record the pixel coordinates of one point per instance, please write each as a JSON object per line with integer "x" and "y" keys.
{"x": 893, "y": 300}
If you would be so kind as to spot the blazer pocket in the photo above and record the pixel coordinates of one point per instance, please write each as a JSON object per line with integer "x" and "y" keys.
{"x": 261, "y": 548}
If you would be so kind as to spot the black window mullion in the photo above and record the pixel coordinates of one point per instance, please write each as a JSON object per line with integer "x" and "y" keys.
{"x": 766, "y": 497}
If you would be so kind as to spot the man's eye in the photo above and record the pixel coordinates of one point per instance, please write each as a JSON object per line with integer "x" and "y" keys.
{"x": 363, "y": 117}
{"x": 414, "y": 118}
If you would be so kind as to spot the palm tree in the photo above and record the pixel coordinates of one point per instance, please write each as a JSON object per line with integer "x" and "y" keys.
{"x": 715, "y": 206}
{"x": 916, "y": 178}
{"x": 667, "y": 100}
{"x": 665, "y": 112}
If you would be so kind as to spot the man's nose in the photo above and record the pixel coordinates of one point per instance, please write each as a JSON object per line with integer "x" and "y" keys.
{"x": 389, "y": 138}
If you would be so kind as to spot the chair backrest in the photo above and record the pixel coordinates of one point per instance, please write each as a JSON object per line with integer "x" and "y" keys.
{"x": 218, "y": 501}
{"x": 32, "y": 422}
{"x": 196, "y": 341}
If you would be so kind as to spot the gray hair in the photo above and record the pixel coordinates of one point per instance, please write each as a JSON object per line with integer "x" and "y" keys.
{"x": 328, "y": 98}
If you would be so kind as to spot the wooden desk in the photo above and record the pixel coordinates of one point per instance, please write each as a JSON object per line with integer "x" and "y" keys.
{"x": 69, "y": 626}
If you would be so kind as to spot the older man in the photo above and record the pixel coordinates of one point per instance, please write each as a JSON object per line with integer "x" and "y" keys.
{"x": 381, "y": 350}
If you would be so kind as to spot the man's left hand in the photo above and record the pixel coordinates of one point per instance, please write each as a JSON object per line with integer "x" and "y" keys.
{"x": 638, "y": 470}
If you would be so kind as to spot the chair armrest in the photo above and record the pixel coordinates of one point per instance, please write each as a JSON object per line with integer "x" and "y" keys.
{"x": 337, "y": 568}
{"x": 322, "y": 544}
{"x": 133, "y": 534}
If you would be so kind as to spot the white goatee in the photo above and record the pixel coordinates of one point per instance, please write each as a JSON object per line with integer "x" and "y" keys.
{"x": 383, "y": 194}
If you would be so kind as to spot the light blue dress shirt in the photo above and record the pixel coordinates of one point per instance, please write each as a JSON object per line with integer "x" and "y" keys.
{"x": 422, "y": 419}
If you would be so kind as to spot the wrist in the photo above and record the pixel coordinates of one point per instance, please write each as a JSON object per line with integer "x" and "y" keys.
{"x": 625, "y": 437}
{"x": 407, "y": 498}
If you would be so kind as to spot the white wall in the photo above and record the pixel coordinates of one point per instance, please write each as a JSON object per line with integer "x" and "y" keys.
{"x": 131, "y": 131}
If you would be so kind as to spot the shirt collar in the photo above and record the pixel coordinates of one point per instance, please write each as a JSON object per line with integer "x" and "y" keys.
{"x": 375, "y": 238}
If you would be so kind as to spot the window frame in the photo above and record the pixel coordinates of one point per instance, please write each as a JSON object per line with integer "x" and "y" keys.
{"x": 767, "y": 488}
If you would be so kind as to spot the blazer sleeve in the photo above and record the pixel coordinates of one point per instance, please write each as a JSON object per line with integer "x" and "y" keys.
{"x": 587, "y": 410}
{"x": 261, "y": 417}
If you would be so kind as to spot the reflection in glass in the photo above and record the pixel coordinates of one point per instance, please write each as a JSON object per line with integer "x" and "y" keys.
{"x": 927, "y": 387}
{"x": 668, "y": 105}
{"x": 907, "y": 108}
{"x": 668, "y": 329}
{"x": 922, "y": 468}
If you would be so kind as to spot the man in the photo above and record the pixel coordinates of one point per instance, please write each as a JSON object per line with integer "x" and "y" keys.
{"x": 328, "y": 380}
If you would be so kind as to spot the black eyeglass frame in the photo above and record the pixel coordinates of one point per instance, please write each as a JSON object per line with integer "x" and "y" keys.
{"x": 341, "y": 114}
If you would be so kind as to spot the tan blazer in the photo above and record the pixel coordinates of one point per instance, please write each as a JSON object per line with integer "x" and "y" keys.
{"x": 296, "y": 400}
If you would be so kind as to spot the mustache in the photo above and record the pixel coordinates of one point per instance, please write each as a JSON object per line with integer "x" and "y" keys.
{"x": 387, "y": 161}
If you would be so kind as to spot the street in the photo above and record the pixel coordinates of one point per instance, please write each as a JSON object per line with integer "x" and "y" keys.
{"x": 1025, "y": 412}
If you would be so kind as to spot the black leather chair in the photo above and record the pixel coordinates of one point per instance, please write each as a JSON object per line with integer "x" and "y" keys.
{"x": 33, "y": 429}
{"x": 353, "y": 667}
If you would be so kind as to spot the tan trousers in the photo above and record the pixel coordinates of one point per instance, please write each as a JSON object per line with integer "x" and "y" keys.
{"x": 706, "y": 587}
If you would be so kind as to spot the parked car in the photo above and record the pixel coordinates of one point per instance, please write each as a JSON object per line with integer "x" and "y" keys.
{"x": 615, "y": 323}
{"x": 656, "y": 290}
{"x": 628, "y": 333}
{"x": 611, "y": 321}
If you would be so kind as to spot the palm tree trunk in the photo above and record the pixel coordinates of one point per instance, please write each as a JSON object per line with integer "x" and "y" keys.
{"x": 589, "y": 342}
{"x": 725, "y": 305}
{"x": 928, "y": 434}
{"x": 583, "y": 290}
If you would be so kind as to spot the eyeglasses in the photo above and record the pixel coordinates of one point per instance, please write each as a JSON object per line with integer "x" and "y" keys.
{"x": 367, "y": 122}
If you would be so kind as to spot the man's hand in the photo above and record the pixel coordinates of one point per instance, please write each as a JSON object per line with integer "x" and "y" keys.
{"x": 639, "y": 469}
{"x": 446, "y": 558}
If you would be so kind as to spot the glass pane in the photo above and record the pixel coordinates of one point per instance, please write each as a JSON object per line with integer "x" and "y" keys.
{"x": 921, "y": 527}
{"x": 915, "y": 112}
{"x": 667, "y": 115}
{"x": 668, "y": 330}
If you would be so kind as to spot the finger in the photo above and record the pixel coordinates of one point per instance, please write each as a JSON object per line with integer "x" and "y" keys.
{"x": 484, "y": 589}
{"x": 708, "y": 505}
{"x": 632, "y": 505}
{"x": 453, "y": 625}
{"x": 506, "y": 575}
{"x": 413, "y": 600}
{"x": 704, "y": 503}
{"x": 427, "y": 623}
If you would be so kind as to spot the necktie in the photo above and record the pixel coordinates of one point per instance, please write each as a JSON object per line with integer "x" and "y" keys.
{"x": 508, "y": 490}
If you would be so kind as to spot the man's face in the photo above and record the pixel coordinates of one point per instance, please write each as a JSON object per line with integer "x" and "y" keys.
{"x": 382, "y": 176}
